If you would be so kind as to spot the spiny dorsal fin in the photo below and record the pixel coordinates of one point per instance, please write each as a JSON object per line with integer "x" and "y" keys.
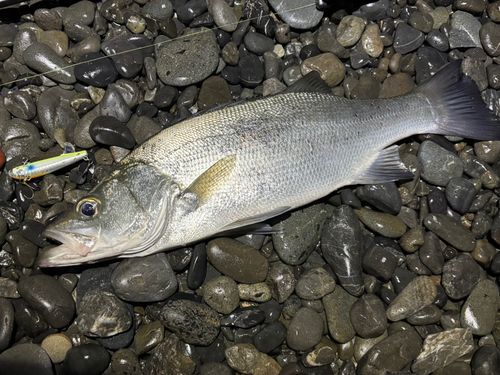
{"x": 213, "y": 179}
{"x": 386, "y": 167}
{"x": 311, "y": 82}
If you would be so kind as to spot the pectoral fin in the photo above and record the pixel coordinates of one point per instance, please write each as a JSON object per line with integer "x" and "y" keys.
{"x": 212, "y": 180}
{"x": 386, "y": 167}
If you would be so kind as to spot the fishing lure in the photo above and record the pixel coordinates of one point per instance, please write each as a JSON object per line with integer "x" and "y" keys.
{"x": 46, "y": 166}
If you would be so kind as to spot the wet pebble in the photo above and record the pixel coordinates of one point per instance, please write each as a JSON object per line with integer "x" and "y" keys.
{"x": 221, "y": 294}
{"x": 21, "y": 105}
{"x": 171, "y": 353}
{"x": 438, "y": 165}
{"x": 329, "y": 67}
{"x": 102, "y": 314}
{"x": 142, "y": 128}
{"x": 460, "y": 193}
{"x": 258, "y": 292}
{"x": 384, "y": 197}
{"x": 281, "y": 281}
{"x": 89, "y": 359}
{"x": 56, "y": 346}
{"x": 110, "y": 131}
{"x": 302, "y": 18}
{"x": 245, "y": 358}
{"x": 146, "y": 279}
{"x": 49, "y": 298}
{"x": 42, "y": 58}
{"x": 418, "y": 294}
{"x": 407, "y": 38}
{"x": 379, "y": 262}
{"x": 124, "y": 361}
{"x": 23, "y": 358}
{"x": 337, "y": 308}
{"x": 368, "y": 316}
{"x": 7, "y": 318}
{"x": 113, "y": 104}
{"x": 240, "y": 262}
{"x": 305, "y": 330}
{"x": 382, "y": 223}
{"x": 460, "y": 276}
{"x": 314, "y": 284}
{"x": 451, "y": 231}
{"x": 478, "y": 311}
{"x": 148, "y": 337}
{"x": 486, "y": 360}
{"x": 194, "y": 322}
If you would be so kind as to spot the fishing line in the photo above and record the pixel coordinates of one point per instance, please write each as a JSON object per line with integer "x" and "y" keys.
{"x": 152, "y": 45}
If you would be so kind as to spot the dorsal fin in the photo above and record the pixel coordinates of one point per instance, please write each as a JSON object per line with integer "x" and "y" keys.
{"x": 311, "y": 82}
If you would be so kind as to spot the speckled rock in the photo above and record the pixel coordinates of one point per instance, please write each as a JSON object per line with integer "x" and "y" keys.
{"x": 170, "y": 354}
{"x": 314, "y": 284}
{"x": 221, "y": 294}
{"x": 22, "y": 359}
{"x": 281, "y": 281}
{"x": 305, "y": 330}
{"x": 337, "y": 307}
{"x": 419, "y": 293}
{"x": 438, "y": 165}
{"x": 246, "y": 359}
{"x": 460, "y": 276}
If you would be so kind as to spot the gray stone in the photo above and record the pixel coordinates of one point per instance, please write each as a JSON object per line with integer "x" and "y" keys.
{"x": 304, "y": 18}
{"x": 420, "y": 293}
{"x": 305, "y": 330}
{"x": 438, "y": 165}
{"x": 42, "y": 58}
{"x": 478, "y": 311}
{"x": 337, "y": 307}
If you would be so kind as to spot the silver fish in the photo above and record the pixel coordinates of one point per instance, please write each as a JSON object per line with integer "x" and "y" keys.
{"x": 247, "y": 162}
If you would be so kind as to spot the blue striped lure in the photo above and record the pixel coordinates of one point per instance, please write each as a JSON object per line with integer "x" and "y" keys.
{"x": 46, "y": 166}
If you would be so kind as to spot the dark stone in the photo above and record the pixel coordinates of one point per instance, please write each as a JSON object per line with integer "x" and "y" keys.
{"x": 90, "y": 278}
{"x": 213, "y": 352}
{"x": 270, "y": 337}
{"x": 198, "y": 267}
{"x": 86, "y": 359}
{"x": 368, "y": 316}
{"x": 379, "y": 262}
{"x": 99, "y": 73}
{"x": 407, "y": 38}
{"x": 7, "y": 326}
{"x": 32, "y": 231}
{"x": 244, "y": 317}
{"x": 109, "y": 131}
{"x": 26, "y": 359}
{"x": 460, "y": 276}
{"x": 460, "y": 193}
{"x": 251, "y": 71}
{"x": 486, "y": 361}
{"x": 384, "y": 197}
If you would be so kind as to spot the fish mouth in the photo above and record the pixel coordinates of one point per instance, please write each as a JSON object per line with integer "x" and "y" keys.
{"x": 76, "y": 248}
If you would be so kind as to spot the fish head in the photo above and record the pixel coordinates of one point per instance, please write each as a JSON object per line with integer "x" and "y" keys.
{"x": 126, "y": 213}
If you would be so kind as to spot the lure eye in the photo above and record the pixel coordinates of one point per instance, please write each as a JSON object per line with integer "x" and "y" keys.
{"x": 88, "y": 207}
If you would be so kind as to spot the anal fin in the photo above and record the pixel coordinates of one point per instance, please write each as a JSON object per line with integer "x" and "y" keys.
{"x": 386, "y": 167}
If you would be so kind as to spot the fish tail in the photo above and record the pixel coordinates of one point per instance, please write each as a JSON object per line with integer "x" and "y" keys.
{"x": 459, "y": 106}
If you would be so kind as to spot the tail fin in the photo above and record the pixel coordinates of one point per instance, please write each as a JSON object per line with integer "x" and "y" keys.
{"x": 457, "y": 100}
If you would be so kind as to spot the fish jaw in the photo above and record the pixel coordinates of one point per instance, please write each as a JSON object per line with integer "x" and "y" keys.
{"x": 75, "y": 248}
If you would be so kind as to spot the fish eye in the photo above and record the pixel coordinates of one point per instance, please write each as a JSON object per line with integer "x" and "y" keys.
{"x": 88, "y": 207}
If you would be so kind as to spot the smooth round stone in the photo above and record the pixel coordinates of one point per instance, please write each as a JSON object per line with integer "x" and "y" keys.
{"x": 258, "y": 43}
{"x": 179, "y": 258}
{"x": 240, "y": 262}
{"x": 57, "y": 40}
{"x": 299, "y": 234}
{"x": 251, "y": 70}
{"x": 199, "y": 59}
{"x": 91, "y": 44}
{"x": 171, "y": 353}
{"x": 143, "y": 128}
{"x": 467, "y": 28}
{"x": 21, "y": 105}
{"x": 451, "y": 231}
{"x": 329, "y": 67}
{"x": 437, "y": 202}
{"x": 396, "y": 85}
{"x": 371, "y": 41}
{"x": 125, "y": 361}
{"x": 190, "y": 10}
{"x": 281, "y": 281}
{"x": 407, "y": 38}
{"x": 8, "y": 33}
{"x": 214, "y": 91}
{"x": 24, "y": 39}
{"x": 127, "y": 64}
{"x": 230, "y": 54}
{"x": 25, "y": 359}
{"x": 8, "y": 288}
{"x": 460, "y": 276}
{"x": 350, "y": 30}
{"x": 194, "y": 322}
{"x": 438, "y": 165}
{"x": 197, "y": 267}
{"x": 486, "y": 360}
{"x": 431, "y": 254}
{"x": 342, "y": 247}
{"x": 49, "y": 298}
{"x": 337, "y": 307}
{"x": 224, "y": 16}
{"x": 391, "y": 354}
{"x": 110, "y": 131}
{"x": 314, "y": 284}
{"x": 136, "y": 24}
{"x": 384, "y": 197}
{"x": 56, "y": 346}
{"x": 484, "y": 252}
{"x": 412, "y": 239}
{"x": 378, "y": 261}
{"x": 160, "y": 9}
{"x": 221, "y": 294}
{"x": 270, "y": 337}
{"x": 113, "y": 104}
{"x": 258, "y": 292}
{"x": 460, "y": 193}
{"x": 23, "y": 252}
{"x": 29, "y": 320}
{"x": 147, "y": 279}
{"x": 382, "y": 223}
{"x": 42, "y": 58}
{"x": 421, "y": 21}
{"x": 420, "y": 293}
{"x": 7, "y": 319}
{"x": 245, "y": 358}
{"x": 147, "y": 337}
{"x": 368, "y": 316}
{"x": 438, "y": 41}
{"x": 102, "y": 314}
{"x": 19, "y": 137}
{"x": 478, "y": 311}
{"x": 454, "y": 343}
{"x": 165, "y": 97}
{"x": 428, "y": 315}
{"x": 305, "y": 330}
{"x": 488, "y": 151}
{"x": 368, "y": 87}
{"x": 86, "y": 359}
{"x": 48, "y": 19}
{"x": 303, "y": 18}
{"x": 490, "y": 38}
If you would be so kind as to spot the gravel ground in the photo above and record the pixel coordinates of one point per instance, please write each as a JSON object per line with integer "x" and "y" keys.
{"x": 393, "y": 278}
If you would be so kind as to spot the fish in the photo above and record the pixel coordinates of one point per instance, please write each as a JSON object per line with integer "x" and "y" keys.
{"x": 243, "y": 163}
{"x": 42, "y": 167}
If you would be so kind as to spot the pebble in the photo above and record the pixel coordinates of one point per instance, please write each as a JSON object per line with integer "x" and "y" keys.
{"x": 378, "y": 261}
{"x": 56, "y": 346}
{"x": 199, "y": 59}
{"x": 197, "y": 271}
{"x": 430, "y": 253}
{"x": 460, "y": 276}
{"x": 350, "y": 30}
{"x": 418, "y": 294}
{"x": 148, "y": 337}
{"x": 110, "y": 131}
{"x": 129, "y": 64}
{"x": 329, "y": 67}
{"x": 299, "y": 234}
{"x": 86, "y": 359}
{"x": 21, "y": 105}
{"x": 147, "y": 279}
{"x": 407, "y": 39}
{"x": 489, "y": 34}
{"x": 172, "y": 353}
{"x": 478, "y": 311}
{"x": 438, "y": 165}
{"x": 451, "y": 231}
{"x": 460, "y": 193}
{"x": 305, "y": 330}
{"x": 42, "y": 58}
{"x": 22, "y": 359}
{"x": 102, "y": 314}
{"x": 468, "y": 28}
{"x": 194, "y": 322}
{"x": 270, "y": 337}
{"x": 314, "y": 284}
{"x": 240, "y": 262}
{"x": 113, "y": 104}
{"x": 337, "y": 308}
{"x": 244, "y": 317}
{"x": 258, "y": 292}
{"x": 23, "y": 252}
{"x": 143, "y": 128}
{"x": 49, "y": 298}
{"x": 221, "y": 294}
{"x": 214, "y": 91}
{"x": 250, "y": 70}
{"x": 19, "y": 137}
{"x": 382, "y": 223}
{"x": 368, "y": 316}
{"x": 441, "y": 349}
{"x": 385, "y": 197}
{"x": 213, "y": 352}
{"x": 281, "y": 281}
{"x": 303, "y": 18}
{"x": 7, "y": 327}
{"x": 124, "y": 361}
{"x": 393, "y": 353}
{"x": 245, "y": 358}
{"x": 258, "y": 43}
{"x": 486, "y": 360}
